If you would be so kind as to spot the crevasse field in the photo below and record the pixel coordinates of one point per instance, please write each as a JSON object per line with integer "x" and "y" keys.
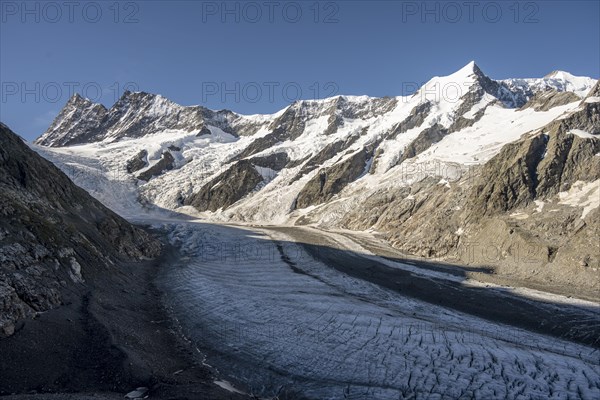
{"x": 274, "y": 321}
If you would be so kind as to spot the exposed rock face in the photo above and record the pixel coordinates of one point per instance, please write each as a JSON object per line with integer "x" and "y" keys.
{"x": 204, "y": 131}
{"x": 542, "y": 165}
{"x": 291, "y": 123}
{"x": 53, "y": 235}
{"x": 330, "y": 181}
{"x": 79, "y": 121}
{"x": 227, "y": 188}
{"x": 341, "y": 108}
{"x": 424, "y": 141}
{"x": 509, "y": 180}
{"x": 569, "y": 158}
{"x": 328, "y": 152}
{"x": 138, "y": 162}
{"x": 415, "y": 119}
{"x": 166, "y": 163}
{"x": 261, "y": 144}
{"x": 275, "y": 161}
{"x": 461, "y": 122}
{"x": 544, "y": 101}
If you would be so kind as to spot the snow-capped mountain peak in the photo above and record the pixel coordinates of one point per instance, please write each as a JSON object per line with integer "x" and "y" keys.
{"x": 78, "y": 122}
{"x": 453, "y": 101}
{"x": 559, "y": 81}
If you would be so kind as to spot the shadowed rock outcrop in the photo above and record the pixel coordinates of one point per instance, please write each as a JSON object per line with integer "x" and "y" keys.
{"x": 328, "y": 152}
{"x": 415, "y": 119}
{"x": 54, "y": 236}
{"x": 275, "y": 161}
{"x": 166, "y": 163}
{"x": 425, "y": 140}
{"x": 204, "y": 131}
{"x": 137, "y": 162}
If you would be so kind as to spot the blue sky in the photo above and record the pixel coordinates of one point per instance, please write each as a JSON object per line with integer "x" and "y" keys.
{"x": 257, "y": 57}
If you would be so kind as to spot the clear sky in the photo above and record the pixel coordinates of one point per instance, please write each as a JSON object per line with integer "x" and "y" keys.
{"x": 257, "y": 57}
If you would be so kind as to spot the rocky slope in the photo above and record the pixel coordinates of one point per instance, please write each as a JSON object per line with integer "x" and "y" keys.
{"x": 464, "y": 164}
{"x": 54, "y": 237}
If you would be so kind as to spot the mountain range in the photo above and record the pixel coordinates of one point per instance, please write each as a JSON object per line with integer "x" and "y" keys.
{"x": 467, "y": 170}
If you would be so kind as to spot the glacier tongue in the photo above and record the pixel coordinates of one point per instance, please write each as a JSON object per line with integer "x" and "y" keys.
{"x": 273, "y": 318}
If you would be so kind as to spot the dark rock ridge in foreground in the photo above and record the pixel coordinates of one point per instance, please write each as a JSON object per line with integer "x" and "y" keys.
{"x": 54, "y": 236}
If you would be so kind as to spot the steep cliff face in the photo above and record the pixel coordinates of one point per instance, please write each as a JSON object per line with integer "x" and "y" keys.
{"x": 509, "y": 179}
{"x": 54, "y": 237}
{"x": 79, "y": 121}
